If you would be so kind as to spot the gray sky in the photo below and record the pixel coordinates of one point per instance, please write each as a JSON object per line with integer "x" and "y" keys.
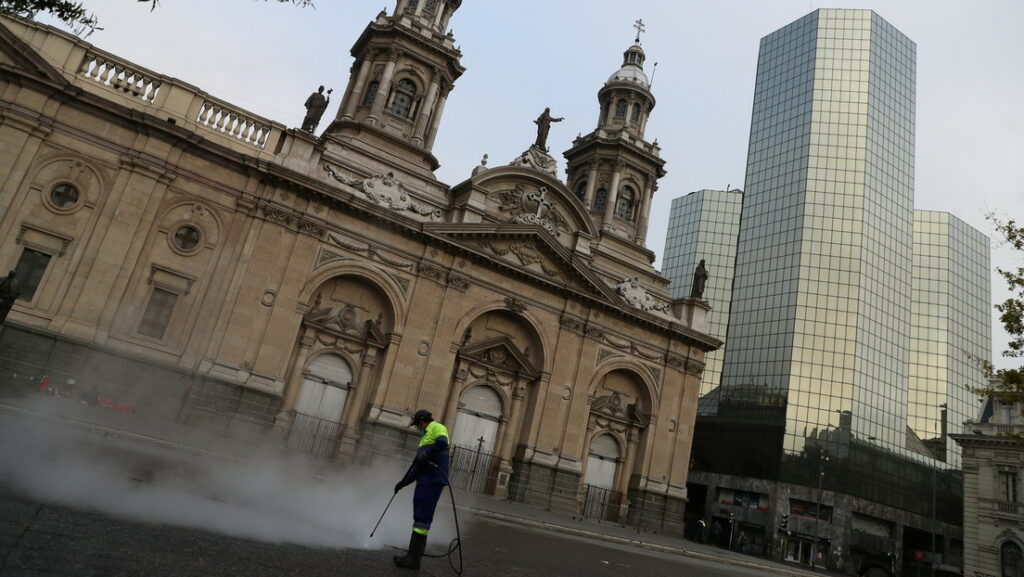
{"x": 523, "y": 56}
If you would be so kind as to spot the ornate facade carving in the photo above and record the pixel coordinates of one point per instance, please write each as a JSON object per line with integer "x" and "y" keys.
{"x": 515, "y": 305}
{"x": 384, "y": 190}
{"x": 533, "y": 207}
{"x": 537, "y": 160}
{"x": 636, "y": 295}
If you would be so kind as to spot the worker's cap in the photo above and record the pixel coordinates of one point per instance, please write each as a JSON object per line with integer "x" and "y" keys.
{"x": 421, "y": 416}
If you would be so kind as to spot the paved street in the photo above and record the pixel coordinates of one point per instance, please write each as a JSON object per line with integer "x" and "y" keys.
{"x": 38, "y": 539}
{"x": 80, "y": 499}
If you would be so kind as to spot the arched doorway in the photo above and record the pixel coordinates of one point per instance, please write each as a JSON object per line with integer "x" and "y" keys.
{"x": 1011, "y": 559}
{"x": 599, "y": 479}
{"x": 320, "y": 406}
{"x": 475, "y": 437}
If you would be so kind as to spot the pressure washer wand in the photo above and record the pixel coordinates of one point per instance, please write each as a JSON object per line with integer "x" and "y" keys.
{"x": 382, "y": 515}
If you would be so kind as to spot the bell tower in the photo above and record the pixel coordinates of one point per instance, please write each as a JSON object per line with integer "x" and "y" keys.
{"x": 405, "y": 65}
{"x": 613, "y": 170}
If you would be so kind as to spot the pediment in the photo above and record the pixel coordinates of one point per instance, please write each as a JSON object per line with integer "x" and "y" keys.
{"x": 348, "y": 322}
{"x": 500, "y": 354}
{"x": 515, "y": 195}
{"x": 528, "y": 249}
{"x": 16, "y": 53}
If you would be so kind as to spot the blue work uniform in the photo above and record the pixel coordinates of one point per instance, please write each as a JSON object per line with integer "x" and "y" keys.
{"x": 430, "y": 472}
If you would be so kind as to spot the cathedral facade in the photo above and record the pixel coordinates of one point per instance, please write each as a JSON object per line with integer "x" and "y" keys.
{"x": 213, "y": 269}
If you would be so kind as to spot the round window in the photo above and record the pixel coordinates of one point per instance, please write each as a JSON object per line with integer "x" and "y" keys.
{"x": 64, "y": 196}
{"x": 187, "y": 238}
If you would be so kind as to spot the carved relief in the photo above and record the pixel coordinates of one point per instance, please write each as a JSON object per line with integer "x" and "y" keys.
{"x": 694, "y": 367}
{"x": 572, "y": 323}
{"x": 371, "y": 252}
{"x": 532, "y": 207}
{"x": 636, "y": 295}
{"x": 537, "y": 160}
{"x": 384, "y": 190}
{"x": 430, "y": 271}
{"x": 276, "y": 216}
{"x": 326, "y": 257}
{"x": 526, "y": 253}
{"x": 312, "y": 228}
{"x": 515, "y": 305}
{"x": 458, "y": 281}
{"x": 675, "y": 362}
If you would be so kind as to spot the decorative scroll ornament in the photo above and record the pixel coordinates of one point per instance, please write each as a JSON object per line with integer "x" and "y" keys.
{"x": 635, "y": 295}
{"x": 537, "y": 160}
{"x": 384, "y": 190}
{"x": 533, "y": 207}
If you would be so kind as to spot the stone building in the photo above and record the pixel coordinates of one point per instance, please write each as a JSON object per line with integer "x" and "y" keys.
{"x": 212, "y": 269}
{"x": 993, "y": 463}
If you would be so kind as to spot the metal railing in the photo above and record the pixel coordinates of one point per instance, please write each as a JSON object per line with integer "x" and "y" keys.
{"x": 314, "y": 435}
{"x": 601, "y": 503}
{"x": 472, "y": 469}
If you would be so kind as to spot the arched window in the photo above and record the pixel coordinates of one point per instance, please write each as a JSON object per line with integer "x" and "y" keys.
{"x": 625, "y": 203}
{"x": 430, "y": 6}
{"x": 635, "y": 117}
{"x": 620, "y": 108}
{"x": 1011, "y": 559}
{"x": 581, "y": 191}
{"x": 371, "y": 93}
{"x": 401, "y": 104}
{"x": 600, "y": 199}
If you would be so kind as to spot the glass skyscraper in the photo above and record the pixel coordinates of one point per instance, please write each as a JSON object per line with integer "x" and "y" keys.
{"x": 704, "y": 225}
{"x": 950, "y": 327}
{"x": 854, "y": 323}
{"x": 821, "y": 297}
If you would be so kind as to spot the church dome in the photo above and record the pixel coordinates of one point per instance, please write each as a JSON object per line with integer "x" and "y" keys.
{"x": 632, "y": 68}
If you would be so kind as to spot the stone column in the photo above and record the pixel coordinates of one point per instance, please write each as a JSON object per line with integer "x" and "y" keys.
{"x": 436, "y": 121}
{"x": 419, "y": 7}
{"x": 588, "y": 202}
{"x": 440, "y": 12}
{"x": 426, "y": 107}
{"x": 286, "y": 413}
{"x": 508, "y": 439}
{"x": 613, "y": 195}
{"x": 385, "y": 86}
{"x": 356, "y": 96}
{"x": 632, "y": 440}
{"x": 643, "y": 210}
{"x": 452, "y": 406}
{"x": 357, "y": 392}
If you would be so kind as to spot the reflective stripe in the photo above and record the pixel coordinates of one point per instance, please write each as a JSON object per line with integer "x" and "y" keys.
{"x": 420, "y": 531}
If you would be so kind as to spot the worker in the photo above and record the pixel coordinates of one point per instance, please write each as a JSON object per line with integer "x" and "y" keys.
{"x": 429, "y": 470}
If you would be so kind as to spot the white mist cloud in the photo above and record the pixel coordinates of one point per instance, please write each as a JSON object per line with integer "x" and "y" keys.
{"x": 269, "y": 497}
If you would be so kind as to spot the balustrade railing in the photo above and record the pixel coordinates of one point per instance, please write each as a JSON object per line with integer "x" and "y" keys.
{"x": 220, "y": 117}
{"x": 119, "y": 76}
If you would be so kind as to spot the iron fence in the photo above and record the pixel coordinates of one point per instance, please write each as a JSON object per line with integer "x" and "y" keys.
{"x": 314, "y": 435}
{"x": 472, "y": 469}
{"x": 601, "y": 503}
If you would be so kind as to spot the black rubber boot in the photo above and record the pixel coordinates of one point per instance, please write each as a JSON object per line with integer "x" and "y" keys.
{"x": 411, "y": 560}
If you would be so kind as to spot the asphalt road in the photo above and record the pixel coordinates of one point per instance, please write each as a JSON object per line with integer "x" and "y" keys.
{"x": 40, "y": 539}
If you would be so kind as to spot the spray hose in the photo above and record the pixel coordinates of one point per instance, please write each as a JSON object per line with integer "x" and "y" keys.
{"x": 456, "y": 543}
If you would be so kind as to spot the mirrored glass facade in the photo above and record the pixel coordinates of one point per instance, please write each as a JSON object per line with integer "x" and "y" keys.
{"x": 950, "y": 327}
{"x": 821, "y": 302}
{"x": 705, "y": 225}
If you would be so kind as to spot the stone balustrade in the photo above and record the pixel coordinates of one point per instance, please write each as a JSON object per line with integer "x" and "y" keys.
{"x": 119, "y": 76}
{"x": 219, "y": 116}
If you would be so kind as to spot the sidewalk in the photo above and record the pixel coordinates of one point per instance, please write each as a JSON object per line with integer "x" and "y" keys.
{"x": 478, "y": 505}
{"x": 522, "y": 515}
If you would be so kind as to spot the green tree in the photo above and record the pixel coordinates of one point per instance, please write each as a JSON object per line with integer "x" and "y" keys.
{"x": 1010, "y": 382}
{"x": 74, "y": 14}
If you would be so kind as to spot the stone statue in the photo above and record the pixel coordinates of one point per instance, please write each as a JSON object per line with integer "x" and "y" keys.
{"x": 700, "y": 278}
{"x": 7, "y": 295}
{"x": 315, "y": 106}
{"x": 543, "y": 123}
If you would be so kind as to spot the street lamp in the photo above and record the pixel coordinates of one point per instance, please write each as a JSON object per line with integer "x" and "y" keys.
{"x": 817, "y": 510}
{"x": 935, "y": 472}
